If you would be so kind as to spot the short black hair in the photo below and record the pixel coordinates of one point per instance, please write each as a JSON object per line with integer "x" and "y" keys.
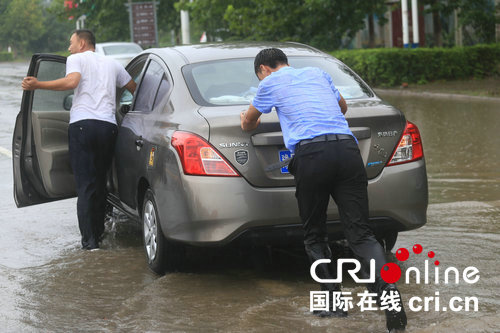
{"x": 87, "y": 35}
{"x": 271, "y": 57}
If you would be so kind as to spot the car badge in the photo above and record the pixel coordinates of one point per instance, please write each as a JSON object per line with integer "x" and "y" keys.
{"x": 233, "y": 144}
{"x": 387, "y": 134}
{"x": 241, "y": 156}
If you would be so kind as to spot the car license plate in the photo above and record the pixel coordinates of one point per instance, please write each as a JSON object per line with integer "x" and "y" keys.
{"x": 284, "y": 155}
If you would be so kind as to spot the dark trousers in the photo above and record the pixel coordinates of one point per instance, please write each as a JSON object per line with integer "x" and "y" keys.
{"x": 336, "y": 169}
{"x": 91, "y": 146}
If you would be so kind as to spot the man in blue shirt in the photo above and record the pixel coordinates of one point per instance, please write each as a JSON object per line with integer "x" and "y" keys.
{"x": 327, "y": 163}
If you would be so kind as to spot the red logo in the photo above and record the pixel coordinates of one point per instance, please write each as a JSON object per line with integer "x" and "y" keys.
{"x": 391, "y": 272}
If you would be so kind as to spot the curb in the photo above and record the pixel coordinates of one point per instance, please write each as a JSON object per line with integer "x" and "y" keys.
{"x": 396, "y": 92}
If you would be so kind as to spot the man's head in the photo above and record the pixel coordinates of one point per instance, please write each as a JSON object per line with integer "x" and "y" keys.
{"x": 81, "y": 41}
{"x": 268, "y": 61}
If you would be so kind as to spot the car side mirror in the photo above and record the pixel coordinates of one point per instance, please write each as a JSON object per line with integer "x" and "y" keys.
{"x": 68, "y": 102}
{"x": 125, "y": 108}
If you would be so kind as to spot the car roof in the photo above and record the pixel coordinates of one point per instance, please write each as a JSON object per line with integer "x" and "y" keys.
{"x": 115, "y": 43}
{"x": 218, "y": 51}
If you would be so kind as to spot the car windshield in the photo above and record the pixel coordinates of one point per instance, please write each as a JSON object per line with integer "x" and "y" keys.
{"x": 233, "y": 82}
{"x": 121, "y": 49}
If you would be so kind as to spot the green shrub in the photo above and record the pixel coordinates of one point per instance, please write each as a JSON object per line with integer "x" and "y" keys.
{"x": 6, "y": 56}
{"x": 390, "y": 67}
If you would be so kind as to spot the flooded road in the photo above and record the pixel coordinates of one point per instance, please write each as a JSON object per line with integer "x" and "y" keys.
{"x": 48, "y": 284}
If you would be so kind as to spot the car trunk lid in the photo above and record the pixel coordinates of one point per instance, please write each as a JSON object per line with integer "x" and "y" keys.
{"x": 256, "y": 155}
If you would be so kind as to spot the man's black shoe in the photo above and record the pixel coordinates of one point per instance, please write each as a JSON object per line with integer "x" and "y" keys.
{"x": 395, "y": 320}
{"x": 91, "y": 245}
{"x": 90, "y": 248}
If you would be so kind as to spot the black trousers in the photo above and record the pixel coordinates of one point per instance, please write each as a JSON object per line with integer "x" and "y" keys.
{"x": 336, "y": 169}
{"x": 91, "y": 146}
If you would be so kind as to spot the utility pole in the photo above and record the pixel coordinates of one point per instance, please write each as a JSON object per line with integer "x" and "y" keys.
{"x": 404, "y": 13}
{"x": 185, "y": 31}
{"x": 458, "y": 29}
{"x": 186, "y": 34}
{"x": 130, "y": 21}
{"x": 414, "y": 22}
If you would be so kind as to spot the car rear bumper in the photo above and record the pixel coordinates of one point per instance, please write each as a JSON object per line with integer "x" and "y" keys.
{"x": 218, "y": 210}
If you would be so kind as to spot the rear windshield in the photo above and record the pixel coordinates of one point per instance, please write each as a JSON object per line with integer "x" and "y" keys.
{"x": 233, "y": 81}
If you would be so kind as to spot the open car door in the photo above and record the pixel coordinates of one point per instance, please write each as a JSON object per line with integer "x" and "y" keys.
{"x": 41, "y": 163}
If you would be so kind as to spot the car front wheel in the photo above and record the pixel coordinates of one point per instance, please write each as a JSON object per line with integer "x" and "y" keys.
{"x": 162, "y": 255}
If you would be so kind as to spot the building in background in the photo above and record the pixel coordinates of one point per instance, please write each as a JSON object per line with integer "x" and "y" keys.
{"x": 390, "y": 34}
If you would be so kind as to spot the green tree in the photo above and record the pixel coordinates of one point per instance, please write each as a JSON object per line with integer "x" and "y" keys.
{"x": 322, "y": 23}
{"x": 325, "y": 24}
{"x": 374, "y": 8}
{"x": 480, "y": 15}
{"x": 273, "y": 20}
{"x": 207, "y": 16}
{"x": 21, "y": 24}
{"x": 56, "y": 35}
{"x": 438, "y": 9}
{"x": 3, "y": 6}
{"x": 108, "y": 19}
{"x": 168, "y": 21}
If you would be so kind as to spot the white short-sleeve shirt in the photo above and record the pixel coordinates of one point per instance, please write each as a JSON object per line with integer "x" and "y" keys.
{"x": 95, "y": 95}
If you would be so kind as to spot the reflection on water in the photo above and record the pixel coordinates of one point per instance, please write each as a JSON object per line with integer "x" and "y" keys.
{"x": 48, "y": 284}
{"x": 461, "y": 146}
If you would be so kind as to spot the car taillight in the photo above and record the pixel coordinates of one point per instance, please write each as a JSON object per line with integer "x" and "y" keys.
{"x": 199, "y": 158}
{"x": 409, "y": 148}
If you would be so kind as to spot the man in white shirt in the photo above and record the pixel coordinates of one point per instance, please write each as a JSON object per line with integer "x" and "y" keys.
{"x": 92, "y": 127}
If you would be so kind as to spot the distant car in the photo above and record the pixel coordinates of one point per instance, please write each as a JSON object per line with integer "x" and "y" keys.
{"x": 185, "y": 170}
{"x": 121, "y": 51}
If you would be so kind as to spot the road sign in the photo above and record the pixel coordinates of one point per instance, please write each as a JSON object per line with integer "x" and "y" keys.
{"x": 143, "y": 23}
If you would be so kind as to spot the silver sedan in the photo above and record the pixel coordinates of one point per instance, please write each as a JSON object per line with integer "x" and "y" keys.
{"x": 185, "y": 170}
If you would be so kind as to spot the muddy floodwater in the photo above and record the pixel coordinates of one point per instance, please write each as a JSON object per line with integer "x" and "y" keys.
{"x": 47, "y": 284}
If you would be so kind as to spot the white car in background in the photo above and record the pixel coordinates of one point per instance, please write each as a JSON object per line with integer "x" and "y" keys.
{"x": 121, "y": 51}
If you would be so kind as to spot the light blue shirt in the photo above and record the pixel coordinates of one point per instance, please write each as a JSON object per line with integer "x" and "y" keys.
{"x": 307, "y": 103}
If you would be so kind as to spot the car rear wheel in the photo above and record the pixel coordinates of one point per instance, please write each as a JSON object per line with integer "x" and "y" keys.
{"x": 162, "y": 255}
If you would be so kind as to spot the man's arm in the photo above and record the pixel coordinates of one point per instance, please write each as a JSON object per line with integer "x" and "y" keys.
{"x": 342, "y": 104}
{"x": 66, "y": 83}
{"x": 130, "y": 86}
{"x": 250, "y": 119}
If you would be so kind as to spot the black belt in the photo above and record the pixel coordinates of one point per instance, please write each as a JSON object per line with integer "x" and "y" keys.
{"x": 324, "y": 138}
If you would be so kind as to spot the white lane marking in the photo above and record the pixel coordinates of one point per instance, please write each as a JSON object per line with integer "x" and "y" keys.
{"x": 5, "y": 152}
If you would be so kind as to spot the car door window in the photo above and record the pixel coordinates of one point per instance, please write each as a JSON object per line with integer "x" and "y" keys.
{"x": 162, "y": 91}
{"x": 50, "y": 100}
{"x": 149, "y": 87}
{"x": 135, "y": 72}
